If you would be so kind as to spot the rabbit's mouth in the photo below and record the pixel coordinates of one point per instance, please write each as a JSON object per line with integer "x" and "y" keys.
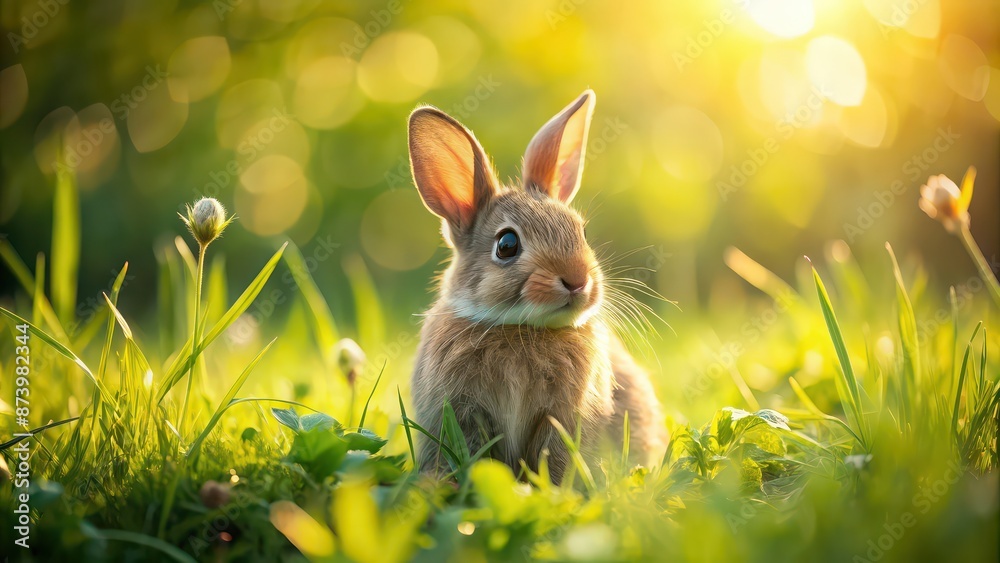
{"x": 561, "y": 308}
{"x": 553, "y": 310}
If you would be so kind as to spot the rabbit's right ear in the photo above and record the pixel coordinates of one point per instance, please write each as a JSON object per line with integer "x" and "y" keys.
{"x": 450, "y": 168}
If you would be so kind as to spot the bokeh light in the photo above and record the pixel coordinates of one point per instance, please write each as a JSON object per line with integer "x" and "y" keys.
{"x": 397, "y": 232}
{"x": 784, "y": 18}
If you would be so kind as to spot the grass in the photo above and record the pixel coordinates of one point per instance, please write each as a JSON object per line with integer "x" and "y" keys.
{"x": 857, "y": 426}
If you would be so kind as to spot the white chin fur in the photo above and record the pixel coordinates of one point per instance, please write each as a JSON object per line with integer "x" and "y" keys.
{"x": 547, "y": 316}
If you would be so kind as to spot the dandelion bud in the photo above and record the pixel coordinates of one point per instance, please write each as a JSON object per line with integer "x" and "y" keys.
{"x": 206, "y": 220}
{"x": 214, "y": 494}
{"x": 350, "y": 358}
{"x": 941, "y": 199}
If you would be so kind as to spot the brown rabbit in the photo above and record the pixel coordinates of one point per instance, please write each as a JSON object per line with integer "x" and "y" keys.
{"x": 517, "y": 334}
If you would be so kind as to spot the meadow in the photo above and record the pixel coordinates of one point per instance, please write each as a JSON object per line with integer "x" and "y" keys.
{"x": 879, "y": 440}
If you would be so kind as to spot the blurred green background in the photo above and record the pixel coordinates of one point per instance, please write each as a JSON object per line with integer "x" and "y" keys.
{"x": 771, "y": 126}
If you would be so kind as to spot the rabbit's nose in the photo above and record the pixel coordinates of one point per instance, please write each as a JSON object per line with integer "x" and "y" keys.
{"x": 575, "y": 285}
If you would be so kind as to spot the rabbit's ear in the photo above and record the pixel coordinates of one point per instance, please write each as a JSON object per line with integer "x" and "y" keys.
{"x": 553, "y": 162}
{"x": 450, "y": 168}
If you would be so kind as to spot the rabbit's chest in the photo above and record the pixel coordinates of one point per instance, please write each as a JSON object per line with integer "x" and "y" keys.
{"x": 520, "y": 385}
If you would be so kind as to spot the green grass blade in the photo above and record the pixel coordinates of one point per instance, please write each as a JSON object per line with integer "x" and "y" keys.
{"x": 364, "y": 413}
{"x": 961, "y": 381}
{"x": 65, "y": 246}
{"x": 57, "y": 346}
{"x": 189, "y": 355}
{"x": 216, "y": 293}
{"x": 227, "y": 401}
{"x": 151, "y": 542}
{"x": 486, "y": 447}
{"x": 368, "y": 308}
{"x": 169, "y": 287}
{"x": 406, "y": 427}
{"x": 907, "y": 323}
{"x": 819, "y": 414}
{"x": 37, "y": 307}
{"x": 34, "y": 431}
{"x": 626, "y": 438}
{"x": 453, "y": 434}
{"x": 410, "y": 423}
{"x": 853, "y": 400}
{"x": 323, "y": 324}
{"x": 23, "y": 275}
{"x": 574, "y": 453}
{"x": 109, "y": 335}
{"x": 186, "y": 256}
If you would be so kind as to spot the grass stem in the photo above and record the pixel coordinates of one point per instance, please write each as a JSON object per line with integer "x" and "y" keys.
{"x": 988, "y": 275}
{"x": 197, "y": 336}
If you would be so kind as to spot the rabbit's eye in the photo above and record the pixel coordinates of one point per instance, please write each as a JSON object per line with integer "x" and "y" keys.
{"x": 507, "y": 245}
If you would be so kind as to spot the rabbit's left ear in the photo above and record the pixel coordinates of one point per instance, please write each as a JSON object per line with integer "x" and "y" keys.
{"x": 553, "y": 163}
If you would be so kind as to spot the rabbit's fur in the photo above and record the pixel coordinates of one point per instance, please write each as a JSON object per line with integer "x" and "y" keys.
{"x": 513, "y": 343}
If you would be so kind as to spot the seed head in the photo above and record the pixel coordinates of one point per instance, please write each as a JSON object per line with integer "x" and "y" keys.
{"x": 214, "y": 494}
{"x": 350, "y": 358}
{"x": 206, "y": 220}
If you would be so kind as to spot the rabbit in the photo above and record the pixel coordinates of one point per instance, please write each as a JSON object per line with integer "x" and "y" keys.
{"x": 516, "y": 339}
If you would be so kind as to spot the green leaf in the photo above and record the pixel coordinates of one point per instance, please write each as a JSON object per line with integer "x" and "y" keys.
{"x": 319, "y": 451}
{"x": 318, "y": 420}
{"x": 288, "y": 417}
{"x": 494, "y": 482}
{"x": 366, "y": 440}
{"x": 773, "y": 418}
